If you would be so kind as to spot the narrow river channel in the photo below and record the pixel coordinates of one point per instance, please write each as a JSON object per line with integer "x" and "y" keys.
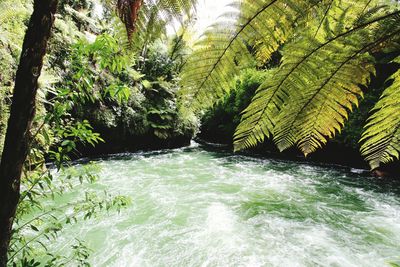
{"x": 200, "y": 207}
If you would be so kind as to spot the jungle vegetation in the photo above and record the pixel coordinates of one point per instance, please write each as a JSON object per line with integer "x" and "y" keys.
{"x": 327, "y": 50}
{"x": 111, "y": 70}
{"x": 93, "y": 63}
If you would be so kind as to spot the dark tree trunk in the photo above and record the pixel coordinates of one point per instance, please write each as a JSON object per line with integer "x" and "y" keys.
{"x": 21, "y": 116}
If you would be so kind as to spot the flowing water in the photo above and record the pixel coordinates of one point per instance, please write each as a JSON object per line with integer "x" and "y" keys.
{"x": 201, "y": 207}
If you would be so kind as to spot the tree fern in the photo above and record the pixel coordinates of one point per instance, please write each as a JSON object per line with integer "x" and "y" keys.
{"x": 252, "y": 28}
{"x": 309, "y": 96}
{"x": 327, "y": 55}
{"x": 146, "y": 20}
{"x": 381, "y": 139}
{"x": 321, "y": 109}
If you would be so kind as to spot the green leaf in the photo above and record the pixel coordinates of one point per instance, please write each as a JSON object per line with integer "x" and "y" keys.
{"x": 381, "y": 138}
{"x": 308, "y": 98}
{"x": 146, "y": 84}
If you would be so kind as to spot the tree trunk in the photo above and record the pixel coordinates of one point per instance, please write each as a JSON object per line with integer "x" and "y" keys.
{"x": 21, "y": 116}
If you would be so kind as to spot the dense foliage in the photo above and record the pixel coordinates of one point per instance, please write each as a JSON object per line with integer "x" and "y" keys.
{"x": 219, "y": 122}
{"x": 131, "y": 108}
{"x": 327, "y": 49}
{"x": 93, "y": 79}
{"x": 12, "y": 27}
{"x": 122, "y": 85}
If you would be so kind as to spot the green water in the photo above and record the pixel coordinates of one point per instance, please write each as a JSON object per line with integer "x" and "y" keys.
{"x": 196, "y": 207}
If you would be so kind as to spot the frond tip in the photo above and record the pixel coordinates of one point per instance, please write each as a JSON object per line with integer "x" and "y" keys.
{"x": 253, "y": 29}
{"x": 308, "y": 98}
{"x": 381, "y": 139}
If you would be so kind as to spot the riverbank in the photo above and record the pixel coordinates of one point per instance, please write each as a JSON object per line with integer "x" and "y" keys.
{"x": 130, "y": 144}
{"x": 331, "y": 154}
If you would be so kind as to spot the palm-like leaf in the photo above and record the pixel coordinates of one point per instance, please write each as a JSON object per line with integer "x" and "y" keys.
{"x": 252, "y": 28}
{"x": 381, "y": 139}
{"x": 146, "y": 20}
{"x": 310, "y": 95}
{"x": 326, "y": 57}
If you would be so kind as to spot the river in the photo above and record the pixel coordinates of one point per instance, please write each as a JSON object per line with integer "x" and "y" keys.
{"x": 204, "y": 207}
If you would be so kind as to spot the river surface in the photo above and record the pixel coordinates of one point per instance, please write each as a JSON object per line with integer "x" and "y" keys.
{"x": 202, "y": 207}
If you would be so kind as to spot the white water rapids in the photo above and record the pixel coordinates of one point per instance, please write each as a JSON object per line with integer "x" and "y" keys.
{"x": 196, "y": 207}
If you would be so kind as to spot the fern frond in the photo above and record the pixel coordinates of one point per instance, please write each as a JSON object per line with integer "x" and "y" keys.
{"x": 381, "y": 139}
{"x": 315, "y": 115}
{"x": 310, "y": 95}
{"x": 227, "y": 47}
{"x": 146, "y": 20}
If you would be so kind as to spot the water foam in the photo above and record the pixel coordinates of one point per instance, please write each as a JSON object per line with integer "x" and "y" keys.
{"x": 192, "y": 207}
